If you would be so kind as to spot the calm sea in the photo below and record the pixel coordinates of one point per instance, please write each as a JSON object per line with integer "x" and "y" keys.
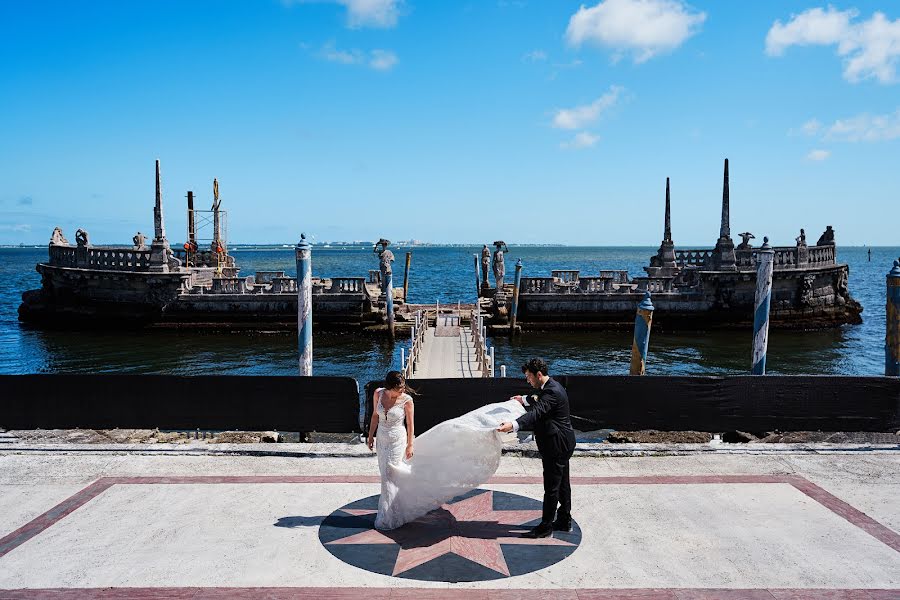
{"x": 445, "y": 274}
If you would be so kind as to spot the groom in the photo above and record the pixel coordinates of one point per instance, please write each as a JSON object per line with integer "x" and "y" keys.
{"x": 548, "y": 416}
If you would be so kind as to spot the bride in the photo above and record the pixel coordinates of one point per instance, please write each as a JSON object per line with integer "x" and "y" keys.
{"x": 420, "y": 474}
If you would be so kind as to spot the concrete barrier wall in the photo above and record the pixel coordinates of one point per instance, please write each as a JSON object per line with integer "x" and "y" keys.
{"x": 326, "y": 404}
{"x": 715, "y": 404}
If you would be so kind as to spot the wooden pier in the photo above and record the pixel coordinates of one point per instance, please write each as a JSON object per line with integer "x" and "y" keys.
{"x": 455, "y": 347}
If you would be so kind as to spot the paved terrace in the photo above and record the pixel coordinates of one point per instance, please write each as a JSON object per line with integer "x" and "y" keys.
{"x": 286, "y": 520}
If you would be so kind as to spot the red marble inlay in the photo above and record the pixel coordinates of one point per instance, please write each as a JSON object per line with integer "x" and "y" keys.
{"x": 469, "y": 528}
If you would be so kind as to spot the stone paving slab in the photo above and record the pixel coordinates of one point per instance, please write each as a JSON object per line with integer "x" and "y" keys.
{"x": 706, "y": 525}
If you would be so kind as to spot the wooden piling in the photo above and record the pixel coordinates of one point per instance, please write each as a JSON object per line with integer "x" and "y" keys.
{"x": 406, "y": 278}
{"x": 892, "y": 323}
{"x": 514, "y": 309}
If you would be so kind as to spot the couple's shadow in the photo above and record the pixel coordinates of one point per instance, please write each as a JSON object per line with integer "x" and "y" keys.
{"x": 339, "y": 521}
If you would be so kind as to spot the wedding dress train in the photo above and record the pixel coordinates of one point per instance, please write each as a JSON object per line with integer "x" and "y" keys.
{"x": 451, "y": 458}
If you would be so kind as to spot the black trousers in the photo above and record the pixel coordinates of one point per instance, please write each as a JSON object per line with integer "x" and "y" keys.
{"x": 557, "y": 489}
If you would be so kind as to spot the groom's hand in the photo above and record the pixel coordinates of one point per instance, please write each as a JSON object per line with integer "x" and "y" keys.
{"x": 505, "y": 427}
{"x": 519, "y": 399}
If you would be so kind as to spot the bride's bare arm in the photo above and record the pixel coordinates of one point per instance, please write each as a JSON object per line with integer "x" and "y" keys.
{"x": 410, "y": 428}
{"x": 373, "y": 423}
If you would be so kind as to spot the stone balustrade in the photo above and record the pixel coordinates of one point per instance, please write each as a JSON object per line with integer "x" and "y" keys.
{"x": 284, "y": 285}
{"x": 375, "y": 276}
{"x": 565, "y": 276}
{"x": 615, "y": 276}
{"x": 229, "y": 285}
{"x": 266, "y": 277}
{"x": 347, "y": 285}
{"x": 63, "y": 256}
{"x": 101, "y": 258}
{"x": 692, "y": 258}
{"x": 655, "y": 285}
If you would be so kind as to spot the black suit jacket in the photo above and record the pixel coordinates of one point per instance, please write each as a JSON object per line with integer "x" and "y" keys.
{"x": 548, "y": 417}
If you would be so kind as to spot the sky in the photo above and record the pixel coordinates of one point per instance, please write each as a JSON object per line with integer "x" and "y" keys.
{"x": 459, "y": 122}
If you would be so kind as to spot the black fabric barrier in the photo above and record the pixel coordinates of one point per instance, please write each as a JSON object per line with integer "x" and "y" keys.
{"x": 716, "y": 404}
{"x": 326, "y": 404}
{"x": 437, "y": 400}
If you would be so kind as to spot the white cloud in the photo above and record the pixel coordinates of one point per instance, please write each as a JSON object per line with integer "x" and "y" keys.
{"x": 818, "y": 155}
{"x": 645, "y": 28}
{"x": 582, "y": 139}
{"x": 578, "y": 117}
{"x": 371, "y": 13}
{"x": 811, "y": 127}
{"x": 866, "y": 128}
{"x": 380, "y": 60}
{"x": 365, "y": 13}
{"x": 535, "y": 56}
{"x": 20, "y": 228}
{"x": 870, "y": 48}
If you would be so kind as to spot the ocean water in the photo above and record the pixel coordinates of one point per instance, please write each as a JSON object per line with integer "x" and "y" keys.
{"x": 444, "y": 274}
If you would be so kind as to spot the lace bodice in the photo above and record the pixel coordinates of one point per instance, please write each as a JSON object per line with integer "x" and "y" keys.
{"x": 395, "y": 415}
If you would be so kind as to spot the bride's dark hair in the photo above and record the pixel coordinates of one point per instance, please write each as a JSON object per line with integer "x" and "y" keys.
{"x": 395, "y": 379}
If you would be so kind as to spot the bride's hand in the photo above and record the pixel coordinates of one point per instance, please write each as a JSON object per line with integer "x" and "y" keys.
{"x": 370, "y": 442}
{"x": 409, "y": 452}
{"x": 519, "y": 399}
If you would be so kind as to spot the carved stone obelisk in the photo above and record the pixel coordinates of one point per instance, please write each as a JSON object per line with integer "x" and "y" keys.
{"x": 723, "y": 255}
{"x": 159, "y": 248}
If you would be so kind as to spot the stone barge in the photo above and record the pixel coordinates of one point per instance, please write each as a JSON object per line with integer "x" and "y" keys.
{"x": 192, "y": 287}
{"x": 691, "y": 289}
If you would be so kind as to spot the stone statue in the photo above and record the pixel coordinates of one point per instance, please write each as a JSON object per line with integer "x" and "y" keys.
{"x": 842, "y": 284}
{"x": 173, "y": 262}
{"x": 485, "y": 265}
{"x": 138, "y": 241}
{"x": 827, "y": 237}
{"x": 81, "y": 238}
{"x": 745, "y": 243}
{"x": 498, "y": 267}
{"x": 385, "y": 258}
{"x": 801, "y": 239}
{"x": 57, "y": 238}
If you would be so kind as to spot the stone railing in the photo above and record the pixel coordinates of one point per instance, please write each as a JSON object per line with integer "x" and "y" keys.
{"x": 692, "y": 258}
{"x": 267, "y": 276}
{"x": 229, "y": 285}
{"x": 375, "y": 276}
{"x": 118, "y": 259}
{"x": 565, "y": 276}
{"x": 537, "y": 285}
{"x": 654, "y": 285}
{"x": 283, "y": 285}
{"x": 594, "y": 285}
{"x": 615, "y": 276}
{"x": 88, "y": 257}
{"x": 346, "y": 285}
{"x": 63, "y": 256}
{"x": 789, "y": 257}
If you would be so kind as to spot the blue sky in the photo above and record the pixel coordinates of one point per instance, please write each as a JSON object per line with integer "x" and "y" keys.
{"x": 528, "y": 121}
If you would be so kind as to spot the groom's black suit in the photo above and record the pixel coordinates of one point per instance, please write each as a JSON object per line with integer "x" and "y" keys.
{"x": 548, "y": 417}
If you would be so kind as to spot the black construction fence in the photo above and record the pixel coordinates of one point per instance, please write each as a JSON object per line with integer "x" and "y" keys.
{"x": 332, "y": 404}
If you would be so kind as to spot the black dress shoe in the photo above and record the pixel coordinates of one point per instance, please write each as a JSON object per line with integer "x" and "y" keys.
{"x": 541, "y": 531}
{"x": 565, "y": 526}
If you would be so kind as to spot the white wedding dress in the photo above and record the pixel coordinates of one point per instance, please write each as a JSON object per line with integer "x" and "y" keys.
{"x": 451, "y": 458}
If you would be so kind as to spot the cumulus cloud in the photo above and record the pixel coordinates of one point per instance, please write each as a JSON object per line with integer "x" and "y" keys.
{"x": 818, "y": 155}
{"x": 582, "y": 139}
{"x": 580, "y": 116}
{"x": 866, "y": 128}
{"x": 380, "y": 60}
{"x": 644, "y": 28}
{"x": 811, "y": 127}
{"x": 365, "y": 13}
{"x": 870, "y": 49}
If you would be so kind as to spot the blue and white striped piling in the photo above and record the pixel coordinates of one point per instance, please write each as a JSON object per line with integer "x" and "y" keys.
{"x": 892, "y": 322}
{"x": 514, "y": 309}
{"x": 761, "y": 303}
{"x": 642, "y": 322}
{"x": 389, "y": 297}
{"x": 304, "y": 305}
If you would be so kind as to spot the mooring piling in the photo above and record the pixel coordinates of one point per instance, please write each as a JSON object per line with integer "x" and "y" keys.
{"x": 761, "y": 305}
{"x": 502, "y": 370}
{"x": 406, "y": 278}
{"x": 304, "y": 305}
{"x": 514, "y": 309}
{"x": 477, "y": 281}
{"x": 389, "y": 299}
{"x": 642, "y": 322}
{"x": 892, "y": 323}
